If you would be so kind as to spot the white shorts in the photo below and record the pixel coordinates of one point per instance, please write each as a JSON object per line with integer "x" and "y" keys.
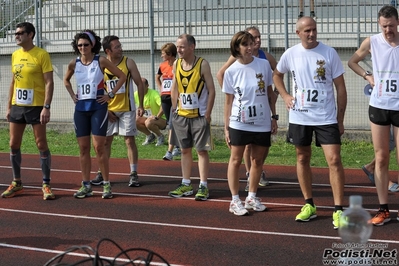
{"x": 124, "y": 126}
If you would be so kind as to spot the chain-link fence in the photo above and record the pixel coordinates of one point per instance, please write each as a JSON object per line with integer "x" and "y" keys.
{"x": 144, "y": 26}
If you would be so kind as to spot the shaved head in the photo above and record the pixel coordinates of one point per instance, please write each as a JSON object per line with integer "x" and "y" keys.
{"x": 305, "y": 21}
{"x": 307, "y": 31}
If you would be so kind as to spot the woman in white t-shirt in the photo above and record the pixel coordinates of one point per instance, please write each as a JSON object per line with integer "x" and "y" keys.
{"x": 247, "y": 116}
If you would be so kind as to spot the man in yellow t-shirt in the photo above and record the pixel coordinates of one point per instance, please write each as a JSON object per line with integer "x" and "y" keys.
{"x": 30, "y": 95}
{"x": 153, "y": 120}
{"x": 121, "y": 108}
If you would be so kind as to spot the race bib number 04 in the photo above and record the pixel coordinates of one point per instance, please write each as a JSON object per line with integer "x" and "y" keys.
{"x": 189, "y": 100}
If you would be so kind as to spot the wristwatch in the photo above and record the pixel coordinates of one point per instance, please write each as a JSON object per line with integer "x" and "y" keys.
{"x": 275, "y": 117}
{"x": 367, "y": 73}
{"x": 111, "y": 94}
{"x": 47, "y": 106}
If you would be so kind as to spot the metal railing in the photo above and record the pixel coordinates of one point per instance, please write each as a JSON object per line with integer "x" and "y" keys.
{"x": 144, "y": 26}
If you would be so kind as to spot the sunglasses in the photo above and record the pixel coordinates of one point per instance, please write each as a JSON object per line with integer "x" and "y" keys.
{"x": 83, "y": 44}
{"x": 19, "y": 33}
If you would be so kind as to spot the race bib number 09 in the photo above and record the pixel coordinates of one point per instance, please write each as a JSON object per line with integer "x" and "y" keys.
{"x": 24, "y": 96}
{"x": 111, "y": 84}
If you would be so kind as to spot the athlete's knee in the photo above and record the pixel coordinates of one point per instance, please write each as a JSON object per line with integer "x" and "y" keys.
{"x": 42, "y": 145}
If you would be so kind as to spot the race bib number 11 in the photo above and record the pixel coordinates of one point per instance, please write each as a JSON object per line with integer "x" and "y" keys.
{"x": 252, "y": 113}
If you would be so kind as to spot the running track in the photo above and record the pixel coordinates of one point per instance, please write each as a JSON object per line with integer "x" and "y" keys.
{"x": 183, "y": 231}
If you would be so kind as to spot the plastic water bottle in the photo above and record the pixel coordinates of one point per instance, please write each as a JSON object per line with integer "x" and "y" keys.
{"x": 354, "y": 225}
{"x": 355, "y": 229}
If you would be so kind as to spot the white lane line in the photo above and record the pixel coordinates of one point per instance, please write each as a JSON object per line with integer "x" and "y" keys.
{"x": 184, "y": 198}
{"x": 194, "y": 177}
{"x": 232, "y": 230}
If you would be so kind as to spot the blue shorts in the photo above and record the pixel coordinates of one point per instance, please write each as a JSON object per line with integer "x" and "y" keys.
{"x": 91, "y": 122}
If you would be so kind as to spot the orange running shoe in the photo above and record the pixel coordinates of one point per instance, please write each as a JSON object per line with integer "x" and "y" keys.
{"x": 47, "y": 192}
{"x": 381, "y": 218}
{"x": 12, "y": 190}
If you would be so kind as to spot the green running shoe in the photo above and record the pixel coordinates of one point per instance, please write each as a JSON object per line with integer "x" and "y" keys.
{"x": 83, "y": 192}
{"x": 336, "y": 216}
{"x": 181, "y": 190}
{"x": 107, "y": 194}
{"x": 202, "y": 194}
{"x": 307, "y": 212}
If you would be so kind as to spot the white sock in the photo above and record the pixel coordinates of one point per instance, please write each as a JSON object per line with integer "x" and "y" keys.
{"x": 251, "y": 194}
{"x": 235, "y": 197}
{"x": 186, "y": 182}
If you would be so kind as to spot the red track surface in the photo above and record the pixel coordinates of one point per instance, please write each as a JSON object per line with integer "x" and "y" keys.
{"x": 183, "y": 231}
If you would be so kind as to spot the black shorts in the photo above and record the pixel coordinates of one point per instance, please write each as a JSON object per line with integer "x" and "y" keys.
{"x": 383, "y": 117}
{"x": 91, "y": 122}
{"x": 25, "y": 114}
{"x": 302, "y": 135}
{"x": 242, "y": 138}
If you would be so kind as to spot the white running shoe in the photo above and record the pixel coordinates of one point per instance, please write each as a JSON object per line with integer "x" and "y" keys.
{"x": 237, "y": 208}
{"x": 255, "y": 204}
{"x": 161, "y": 140}
{"x": 168, "y": 156}
{"x": 176, "y": 151}
{"x": 149, "y": 139}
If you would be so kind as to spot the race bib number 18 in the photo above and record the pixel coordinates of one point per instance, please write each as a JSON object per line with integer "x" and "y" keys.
{"x": 87, "y": 91}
